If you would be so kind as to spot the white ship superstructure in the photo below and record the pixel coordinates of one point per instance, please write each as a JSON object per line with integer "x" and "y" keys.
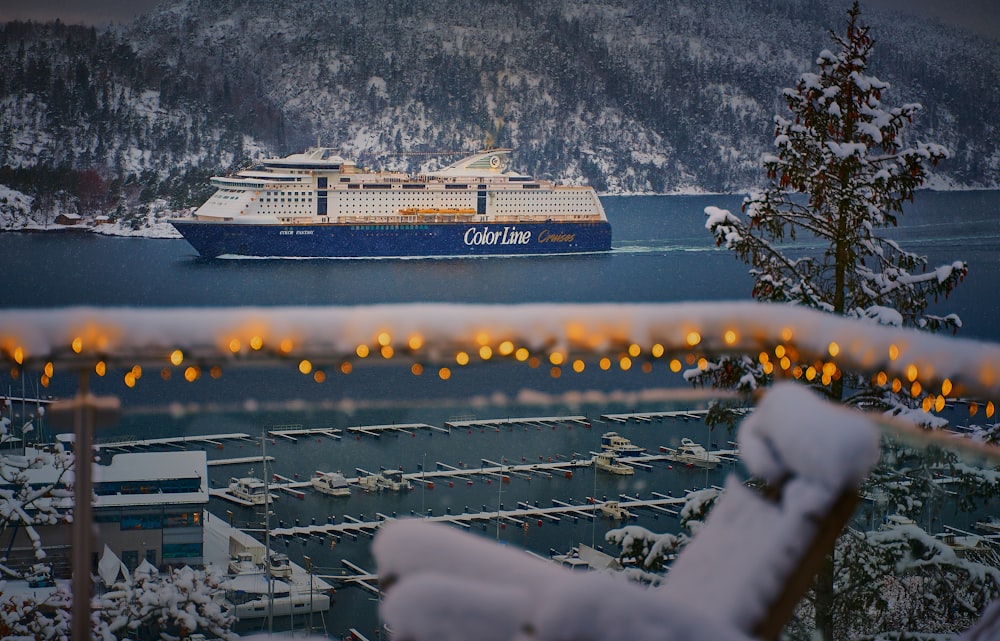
{"x": 319, "y": 186}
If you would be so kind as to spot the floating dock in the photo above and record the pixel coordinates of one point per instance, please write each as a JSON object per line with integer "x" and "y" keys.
{"x": 521, "y": 516}
{"x": 536, "y": 421}
{"x": 179, "y": 442}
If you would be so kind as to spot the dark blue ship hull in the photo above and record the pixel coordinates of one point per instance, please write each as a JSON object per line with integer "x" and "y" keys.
{"x": 213, "y": 239}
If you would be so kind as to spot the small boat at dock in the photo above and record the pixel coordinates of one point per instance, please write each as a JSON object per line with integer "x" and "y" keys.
{"x": 250, "y": 489}
{"x": 608, "y": 462}
{"x": 385, "y": 481}
{"x": 332, "y": 483}
{"x": 619, "y": 445}
{"x": 692, "y": 454}
{"x": 279, "y": 565}
{"x": 615, "y": 511}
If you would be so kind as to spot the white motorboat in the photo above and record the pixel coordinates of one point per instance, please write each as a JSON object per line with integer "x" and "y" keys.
{"x": 619, "y": 445}
{"x": 279, "y": 566}
{"x": 250, "y": 489}
{"x": 385, "y": 481}
{"x": 332, "y": 483}
{"x": 614, "y": 510}
{"x": 692, "y": 454}
{"x": 608, "y": 462}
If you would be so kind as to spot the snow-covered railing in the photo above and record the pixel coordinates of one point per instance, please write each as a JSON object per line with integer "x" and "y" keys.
{"x": 431, "y": 333}
{"x": 314, "y": 338}
{"x": 440, "y": 339}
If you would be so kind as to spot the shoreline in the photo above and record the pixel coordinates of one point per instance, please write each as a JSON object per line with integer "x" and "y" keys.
{"x": 166, "y": 231}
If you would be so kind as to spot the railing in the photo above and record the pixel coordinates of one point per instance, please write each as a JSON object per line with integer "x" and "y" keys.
{"x": 309, "y": 341}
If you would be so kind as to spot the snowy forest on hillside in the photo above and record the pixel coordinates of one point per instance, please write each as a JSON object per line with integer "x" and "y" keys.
{"x": 628, "y": 96}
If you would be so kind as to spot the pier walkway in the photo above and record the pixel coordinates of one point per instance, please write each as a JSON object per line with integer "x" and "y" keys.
{"x": 521, "y": 515}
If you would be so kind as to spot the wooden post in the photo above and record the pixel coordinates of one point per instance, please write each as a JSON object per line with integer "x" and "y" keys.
{"x": 83, "y": 413}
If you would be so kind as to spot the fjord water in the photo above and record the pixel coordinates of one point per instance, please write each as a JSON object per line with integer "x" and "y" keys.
{"x": 661, "y": 253}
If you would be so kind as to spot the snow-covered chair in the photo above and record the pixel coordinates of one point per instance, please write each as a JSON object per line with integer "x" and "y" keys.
{"x": 738, "y": 579}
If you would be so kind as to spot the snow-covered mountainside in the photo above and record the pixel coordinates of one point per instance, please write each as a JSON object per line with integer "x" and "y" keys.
{"x": 631, "y": 96}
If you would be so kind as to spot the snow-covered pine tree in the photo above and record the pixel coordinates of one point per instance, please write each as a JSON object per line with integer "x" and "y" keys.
{"x": 840, "y": 175}
{"x": 838, "y": 179}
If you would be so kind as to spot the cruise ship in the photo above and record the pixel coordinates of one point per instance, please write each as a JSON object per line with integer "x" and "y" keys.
{"x": 318, "y": 204}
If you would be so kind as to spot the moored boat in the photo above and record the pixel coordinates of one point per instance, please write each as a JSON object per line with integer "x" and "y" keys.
{"x": 385, "y": 481}
{"x": 250, "y": 489}
{"x": 615, "y": 511}
{"x": 255, "y": 596}
{"x": 319, "y": 204}
{"x": 332, "y": 483}
{"x": 691, "y": 453}
{"x": 279, "y": 565}
{"x": 619, "y": 445}
{"x": 608, "y": 462}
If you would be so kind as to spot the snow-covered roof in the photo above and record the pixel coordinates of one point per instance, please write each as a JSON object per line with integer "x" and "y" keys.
{"x": 154, "y": 466}
{"x": 139, "y": 467}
